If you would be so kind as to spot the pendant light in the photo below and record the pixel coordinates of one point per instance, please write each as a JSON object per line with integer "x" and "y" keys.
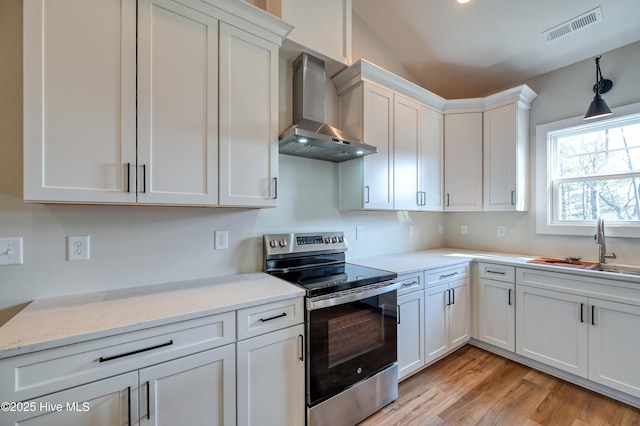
{"x": 598, "y": 107}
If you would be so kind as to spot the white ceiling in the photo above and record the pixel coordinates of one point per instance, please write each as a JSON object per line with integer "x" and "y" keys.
{"x": 468, "y": 50}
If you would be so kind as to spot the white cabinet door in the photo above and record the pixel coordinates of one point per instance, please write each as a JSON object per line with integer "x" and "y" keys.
{"x": 111, "y": 401}
{"x": 552, "y": 328}
{"x": 506, "y": 153}
{"x": 367, "y": 114}
{"x": 436, "y": 321}
{"x": 324, "y": 27}
{"x": 406, "y": 137}
{"x": 496, "y": 313}
{"x": 459, "y": 313}
{"x": 193, "y": 390}
{"x": 463, "y": 161}
{"x": 410, "y": 333}
{"x": 270, "y": 373}
{"x": 177, "y": 105}
{"x": 248, "y": 119}
{"x": 430, "y": 159}
{"x": 614, "y": 345}
{"x": 79, "y": 101}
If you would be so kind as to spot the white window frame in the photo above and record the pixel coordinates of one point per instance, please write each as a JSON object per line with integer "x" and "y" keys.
{"x": 545, "y": 224}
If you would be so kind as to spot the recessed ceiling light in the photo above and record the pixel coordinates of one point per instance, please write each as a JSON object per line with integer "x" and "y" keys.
{"x": 359, "y": 152}
{"x": 303, "y": 140}
{"x": 463, "y": 1}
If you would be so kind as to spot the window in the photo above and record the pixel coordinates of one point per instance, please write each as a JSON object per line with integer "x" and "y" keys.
{"x": 593, "y": 170}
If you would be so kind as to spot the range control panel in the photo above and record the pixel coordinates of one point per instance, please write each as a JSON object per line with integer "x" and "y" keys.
{"x": 304, "y": 243}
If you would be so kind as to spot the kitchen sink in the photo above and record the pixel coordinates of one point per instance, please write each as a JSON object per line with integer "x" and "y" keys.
{"x": 620, "y": 269}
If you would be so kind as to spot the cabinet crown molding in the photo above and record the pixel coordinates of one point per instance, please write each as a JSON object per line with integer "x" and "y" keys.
{"x": 250, "y": 18}
{"x": 363, "y": 70}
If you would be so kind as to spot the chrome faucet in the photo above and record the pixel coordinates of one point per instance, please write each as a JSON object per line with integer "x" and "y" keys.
{"x": 600, "y": 240}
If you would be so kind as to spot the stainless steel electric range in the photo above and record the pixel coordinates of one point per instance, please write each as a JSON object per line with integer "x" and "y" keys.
{"x": 350, "y": 324}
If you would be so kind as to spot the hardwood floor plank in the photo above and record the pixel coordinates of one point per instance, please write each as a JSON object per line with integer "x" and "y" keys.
{"x": 475, "y": 387}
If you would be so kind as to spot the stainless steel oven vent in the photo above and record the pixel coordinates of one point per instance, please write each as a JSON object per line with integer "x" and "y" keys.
{"x": 310, "y": 136}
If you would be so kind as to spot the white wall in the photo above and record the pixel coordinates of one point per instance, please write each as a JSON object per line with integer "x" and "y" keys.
{"x": 137, "y": 245}
{"x": 562, "y": 94}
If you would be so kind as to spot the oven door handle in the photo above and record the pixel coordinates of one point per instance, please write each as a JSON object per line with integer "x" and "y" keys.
{"x": 320, "y": 302}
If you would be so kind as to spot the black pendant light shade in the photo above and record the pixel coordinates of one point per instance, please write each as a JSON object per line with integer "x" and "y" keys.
{"x": 598, "y": 107}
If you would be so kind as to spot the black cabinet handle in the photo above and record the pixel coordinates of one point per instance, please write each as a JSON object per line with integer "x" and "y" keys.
{"x": 284, "y": 314}
{"x": 129, "y": 404}
{"x": 453, "y": 296}
{"x": 275, "y": 188}
{"x": 398, "y": 320}
{"x": 409, "y": 284}
{"x": 510, "y": 296}
{"x": 593, "y": 315}
{"x": 301, "y": 347}
{"x": 148, "y": 399}
{"x": 448, "y": 275}
{"x": 489, "y": 271}
{"x": 128, "y": 177}
{"x": 144, "y": 178}
{"x": 513, "y": 198}
{"x": 447, "y": 199}
{"x": 110, "y": 358}
{"x": 582, "y": 312}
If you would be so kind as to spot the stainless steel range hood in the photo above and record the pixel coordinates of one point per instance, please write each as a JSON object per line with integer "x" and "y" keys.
{"x": 310, "y": 136}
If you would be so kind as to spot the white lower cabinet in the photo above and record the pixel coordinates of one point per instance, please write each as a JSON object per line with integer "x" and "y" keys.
{"x": 551, "y": 328}
{"x": 111, "y": 401}
{"x": 614, "y": 345}
{"x": 410, "y": 333}
{"x": 590, "y": 337}
{"x": 496, "y": 305}
{"x": 192, "y": 390}
{"x": 447, "y": 317}
{"x": 271, "y": 378}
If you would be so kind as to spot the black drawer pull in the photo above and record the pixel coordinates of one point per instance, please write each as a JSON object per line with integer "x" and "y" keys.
{"x": 489, "y": 271}
{"x": 284, "y": 314}
{"x": 110, "y": 358}
{"x": 448, "y": 275}
{"x": 510, "y": 297}
{"x": 409, "y": 284}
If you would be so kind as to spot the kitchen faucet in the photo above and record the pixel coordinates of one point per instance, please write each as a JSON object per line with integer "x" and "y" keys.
{"x": 600, "y": 240}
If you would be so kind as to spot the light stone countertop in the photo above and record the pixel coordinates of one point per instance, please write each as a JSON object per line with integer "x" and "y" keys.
{"x": 429, "y": 259}
{"x": 59, "y": 321}
{"x": 48, "y": 323}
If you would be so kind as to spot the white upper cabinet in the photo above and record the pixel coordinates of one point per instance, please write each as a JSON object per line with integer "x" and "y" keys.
{"x": 108, "y": 119}
{"x": 322, "y": 28}
{"x": 177, "y": 105}
{"x": 80, "y": 101}
{"x": 248, "y": 119}
{"x": 506, "y": 150}
{"x": 430, "y": 159}
{"x": 402, "y": 121}
{"x": 406, "y": 135}
{"x": 463, "y": 161}
{"x": 367, "y": 114}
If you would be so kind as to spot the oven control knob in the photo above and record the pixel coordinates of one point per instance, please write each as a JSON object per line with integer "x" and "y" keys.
{"x": 327, "y": 240}
{"x": 283, "y": 243}
{"x": 334, "y": 240}
{"x": 273, "y": 243}
{"x": 341, "y": 239}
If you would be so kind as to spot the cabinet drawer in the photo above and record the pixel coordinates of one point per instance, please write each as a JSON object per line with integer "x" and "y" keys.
{"x": 38, "y": 373}
{"x": 493, "y": 271}
{"x": 269, "y": 317}
{"x": 438, "y": 276}
{"x": 410, "y": 282}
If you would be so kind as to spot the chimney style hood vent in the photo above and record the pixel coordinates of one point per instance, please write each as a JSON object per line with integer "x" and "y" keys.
{"x": 310, "y": 136}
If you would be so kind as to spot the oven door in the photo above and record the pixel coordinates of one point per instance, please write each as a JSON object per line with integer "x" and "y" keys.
{"x": 349, "y": 339}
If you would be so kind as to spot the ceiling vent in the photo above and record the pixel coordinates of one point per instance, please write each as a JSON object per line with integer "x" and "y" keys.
{"x": 579, "y": 22}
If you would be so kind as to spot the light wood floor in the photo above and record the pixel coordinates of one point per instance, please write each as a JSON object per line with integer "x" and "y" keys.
{"x": 475, "y": 387}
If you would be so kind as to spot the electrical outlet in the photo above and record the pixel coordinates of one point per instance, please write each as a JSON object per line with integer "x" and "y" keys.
{"x": 410, "y": 230}
{"x": 359, "y": 232}
{"x": 222, "y": 240}
{"x": 464, "y": 229}
{"x": 501, "y": 230}
{"x": 78, "y": 247}
{"x": 10, "y": 251}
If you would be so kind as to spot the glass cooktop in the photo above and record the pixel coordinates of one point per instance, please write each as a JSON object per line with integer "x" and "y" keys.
{"x": 321, "y": 280}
